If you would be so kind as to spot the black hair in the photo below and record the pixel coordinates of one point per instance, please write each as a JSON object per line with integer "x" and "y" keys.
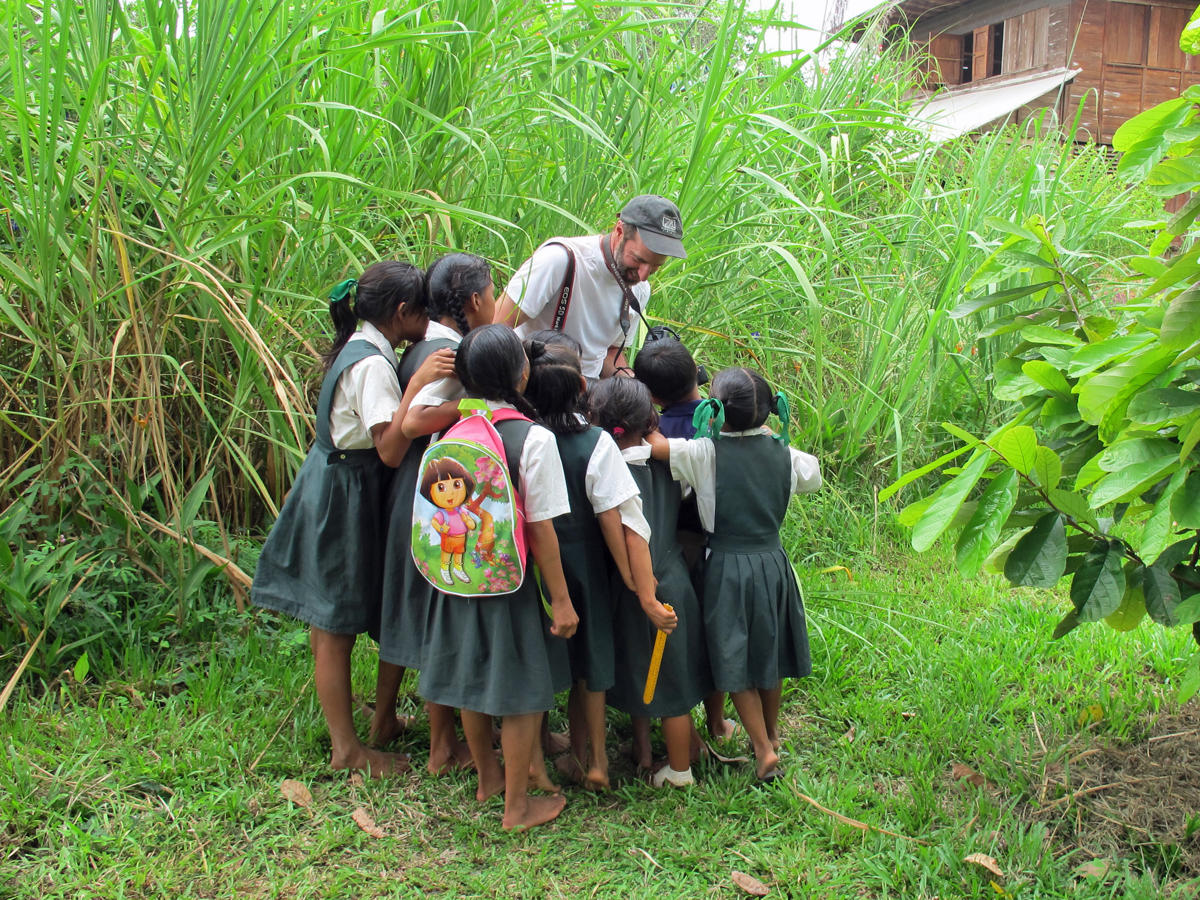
{"x": 746, "y": 396}
{"x": 381, "y": 289}
{"x": 667, "y": 368}
{"x": 622, "y": 403}
{"x": 556, "y": 386}
{"x": 489, "y": 363}
{"x": 552, "y": 338}
{"x": 453, "y": 278}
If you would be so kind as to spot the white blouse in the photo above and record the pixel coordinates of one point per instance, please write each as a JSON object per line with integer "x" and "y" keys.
{"x": 367, "y": 394}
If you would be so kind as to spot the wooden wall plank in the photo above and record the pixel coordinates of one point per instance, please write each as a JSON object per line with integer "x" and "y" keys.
{"x": 1125, "y": 33}
{"x": 1166, "y": 24}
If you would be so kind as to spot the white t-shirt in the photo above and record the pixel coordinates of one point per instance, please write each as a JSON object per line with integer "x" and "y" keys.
{"x": 543, "y": 486}
{"x": 367, "y": 394}
{"x": 444, "y": 389}
{"x": 609, "y": 485}
{"x": 594, "y": 317}
{"x": 694, "y": 462}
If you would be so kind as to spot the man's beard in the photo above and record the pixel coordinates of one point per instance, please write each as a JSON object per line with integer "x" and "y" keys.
{"x": 629, "y": 275}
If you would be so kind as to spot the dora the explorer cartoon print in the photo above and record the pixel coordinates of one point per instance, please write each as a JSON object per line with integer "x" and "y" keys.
{"x": 447, "y": 485}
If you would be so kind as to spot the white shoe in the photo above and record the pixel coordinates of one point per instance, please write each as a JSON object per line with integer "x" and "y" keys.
{"x": 666, "y": 775}
{"x": 461, "y": 575}
{"x": 446, "y": 576}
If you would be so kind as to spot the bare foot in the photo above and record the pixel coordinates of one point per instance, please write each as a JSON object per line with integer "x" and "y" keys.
{"x": 555, "y": 743}
{"x": 534, "y": 811}
{"x": 539, "y": 780}
{"x": 723, "y": 730}
{"x": 641, "y": 756}
{"x": 490, "y": 784}
{"x": 769, "y": 763}
{"x": 386, "y": 729}
{"x": 374, "y": 762}
{"x": 569, "y": 767}
{"x": 596, "y": 779}
{"x": 455, "y": 757}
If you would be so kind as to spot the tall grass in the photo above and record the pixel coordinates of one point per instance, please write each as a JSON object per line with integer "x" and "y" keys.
{"x": 180, "y": 181}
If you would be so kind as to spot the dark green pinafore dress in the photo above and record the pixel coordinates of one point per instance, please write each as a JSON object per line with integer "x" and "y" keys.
{"x": 585, "y": 562}
{"x": 753, "y": 612}
{"x": 489, "y": 654}
{"x": 684, "y": 676}
{"x": 406, "y": 594}
{"x": 323, "y": 560}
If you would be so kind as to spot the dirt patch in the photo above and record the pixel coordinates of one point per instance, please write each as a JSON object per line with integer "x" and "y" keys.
{"x": 1140, "y": 798}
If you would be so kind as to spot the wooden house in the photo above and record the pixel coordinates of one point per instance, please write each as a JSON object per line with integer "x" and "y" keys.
{"x": 1118, "y": 56}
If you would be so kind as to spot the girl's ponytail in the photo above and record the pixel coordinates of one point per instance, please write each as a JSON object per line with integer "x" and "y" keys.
{"x": 344, "y": 316}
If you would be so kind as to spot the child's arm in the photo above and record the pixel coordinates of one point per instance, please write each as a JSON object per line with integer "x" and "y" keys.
{"x": 660, "y": 448}
{"x": 614, "y": 537}
{"x": 422, "y": 420}
{"x": 543, "y": 544}
{"x": 390, "y": 440}
{"x": 646, "y": 584}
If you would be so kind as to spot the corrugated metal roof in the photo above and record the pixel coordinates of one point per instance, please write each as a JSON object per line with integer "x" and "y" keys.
{"x": 914, "y": 9}
{"x": 949, "y": 113}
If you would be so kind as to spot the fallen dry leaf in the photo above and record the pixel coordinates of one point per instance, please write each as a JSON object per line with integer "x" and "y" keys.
{"x": 1096, "y": 868}
{"x": 849, "y": 735}
{"x": 908, "y": 715}
{"x": 749, "y": 884}
{"x": 366, "y": 823}
{"x": 356, "y": 779}
{"x": 982, "y": 859}
{"x": 958, "y": 772}
{"x": 296, "y": 792}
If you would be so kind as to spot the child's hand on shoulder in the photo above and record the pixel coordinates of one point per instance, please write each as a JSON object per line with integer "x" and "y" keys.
{"x": 438, "y": 365}
{"x": 659, "y": 448}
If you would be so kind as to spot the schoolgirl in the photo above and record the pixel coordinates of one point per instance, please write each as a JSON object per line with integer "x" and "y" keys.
{"x": 461, "y": 297}
{"x": 603, "y": 499}
{"x": 623, "y": 407}
{"x": 323, "y": 560}
{"x": 488, "y": 655}
{"x": 743, "y": 476}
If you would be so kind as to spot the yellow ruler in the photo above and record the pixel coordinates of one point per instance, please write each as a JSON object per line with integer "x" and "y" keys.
{"x": 660, "y": 644}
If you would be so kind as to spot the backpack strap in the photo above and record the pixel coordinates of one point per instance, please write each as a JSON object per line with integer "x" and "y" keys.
{"x": 513, "y": 429}
{"x": 562, "y": 299}
{"x": 353, "y": 352}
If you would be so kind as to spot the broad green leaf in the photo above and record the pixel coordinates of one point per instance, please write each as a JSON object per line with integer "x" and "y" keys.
{"x": 1011, "y": 383}
{"x": 1058, "y": 412}
{"x": 1089, "y": 473}
{"x": 1047, "y": 468}
{"x": 1040, "y": 557}
{"x": 909, "y": 516}
{"x": 1093, "y": 356}
{"x": 1153, "y": 407}
{"x": 1190, "y": 682}
{"x": 1188, "y": 611}
{"x": 1180, "y": 222}
{"x": 987, "y": 301}
{"x": 1181, "y": 269}
{"x": 1018, "y": 447}
{"x": 1068, "y": 624}
{"x": 1106, "y": 392}
{"x": 1185, "y": 505}
{"x": 1190, "y": 442}
{"x": 1142, "y": 139}
{"x": 984, "y": 527}
{"x": 1098, "y": 586}
{"x": 1047, "y": 376}
{"x": 82, "y": 667}
{"x": 1130, "y": 452}
{"x": 1017, "y": 322}
{"x": 1129, "y": 483}
{"x": 1044, "y": 334}
{"x": 941, "y": 511}
{"x": 1156, "y": 533}
{"x": 1181, "y": 321}
{"x": 1174, "y": 176}
{"x": 1073, "y": 504}
{"x": 998, "y": 558}
{"x": 1162, "y": 595}
{"x": 1189, "y": 40}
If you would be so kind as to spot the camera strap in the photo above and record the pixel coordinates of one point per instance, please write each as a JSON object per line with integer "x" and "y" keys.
{"x": 563, "y": 299}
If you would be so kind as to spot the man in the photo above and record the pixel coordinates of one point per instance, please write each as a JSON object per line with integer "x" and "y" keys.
{"x": 596, "y": 312}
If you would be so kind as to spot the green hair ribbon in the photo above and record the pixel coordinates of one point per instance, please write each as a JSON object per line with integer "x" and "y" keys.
{"x": 783, "y": 409}
{"x": 342, "y": 289}
{"x": 709, "y": 418}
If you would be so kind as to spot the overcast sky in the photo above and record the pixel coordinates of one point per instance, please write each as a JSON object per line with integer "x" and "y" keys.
{"x": 812, "y": 13}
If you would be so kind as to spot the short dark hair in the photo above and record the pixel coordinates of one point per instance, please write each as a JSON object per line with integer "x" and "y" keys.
{"x": 550, "y": 337}
{"x": 622, "y": 403}
{"x": 489, "y": 363}
{"x": 746, "y": 396}
{"x": 452, "y": 280}
{"x": 439, "y": 470}
{"x": 556, "y": 386}
{"x": 667, "y": 368}
{"x": 381, "y": 289}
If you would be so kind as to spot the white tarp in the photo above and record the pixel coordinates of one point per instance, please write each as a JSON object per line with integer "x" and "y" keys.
{"x": 956, "y": 111}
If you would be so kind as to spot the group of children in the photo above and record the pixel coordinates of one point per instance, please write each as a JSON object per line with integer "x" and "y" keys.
{"x": 603, "y": 479}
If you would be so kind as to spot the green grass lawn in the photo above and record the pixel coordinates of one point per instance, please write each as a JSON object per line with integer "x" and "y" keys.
{"x": 168, "y": 783}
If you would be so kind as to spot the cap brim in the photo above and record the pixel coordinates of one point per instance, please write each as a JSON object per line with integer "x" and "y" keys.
{"x": 660, "y": 243}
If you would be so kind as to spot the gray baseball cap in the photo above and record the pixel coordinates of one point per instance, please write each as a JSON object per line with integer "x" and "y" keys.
{"x": 658, "y": 222}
